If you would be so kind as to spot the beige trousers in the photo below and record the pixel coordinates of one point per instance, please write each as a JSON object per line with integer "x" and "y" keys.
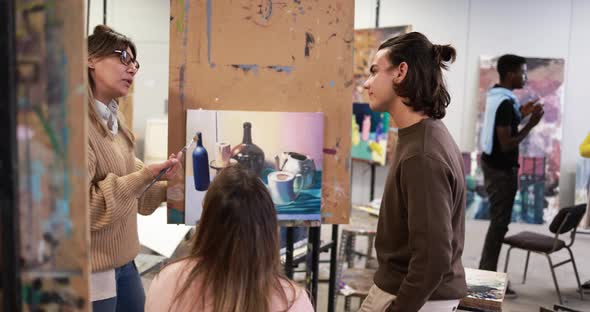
{"x": 379, "y": 300}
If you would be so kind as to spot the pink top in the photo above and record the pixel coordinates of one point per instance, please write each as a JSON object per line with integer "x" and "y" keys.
{"x": 164, "y": 287}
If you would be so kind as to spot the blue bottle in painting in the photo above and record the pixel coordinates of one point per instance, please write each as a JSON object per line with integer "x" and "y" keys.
{"x": 201, "y": 165}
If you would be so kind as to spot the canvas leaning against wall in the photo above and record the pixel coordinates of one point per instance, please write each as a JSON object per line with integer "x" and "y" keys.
{"x": 370, "y": 130}
{"x": 537, "y": 198}
{"x": 369, "y": 134}
{"x": 284, "y": 149}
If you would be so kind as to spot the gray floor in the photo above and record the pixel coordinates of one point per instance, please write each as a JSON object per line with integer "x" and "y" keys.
{"x": 539, "y": 288}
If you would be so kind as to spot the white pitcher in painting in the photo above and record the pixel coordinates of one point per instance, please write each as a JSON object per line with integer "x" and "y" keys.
{"x": 297, "y": 163}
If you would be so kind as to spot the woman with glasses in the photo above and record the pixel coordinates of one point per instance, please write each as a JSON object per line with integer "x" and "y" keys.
{"x": 117, "y": 179}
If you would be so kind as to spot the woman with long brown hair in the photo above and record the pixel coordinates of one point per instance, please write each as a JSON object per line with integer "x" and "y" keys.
{"x": 234, "y": 262}
{"x": 116, "y": 178}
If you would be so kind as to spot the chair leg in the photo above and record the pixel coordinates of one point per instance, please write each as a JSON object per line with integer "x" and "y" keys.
{"x": 526, "y": 266}
{"x": 577, "y": 275}
{"x": 554, "y": 279}
{"x": 507, "y": 259}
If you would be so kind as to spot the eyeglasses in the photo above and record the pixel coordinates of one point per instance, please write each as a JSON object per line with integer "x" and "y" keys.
{"x": 126, "y": 59}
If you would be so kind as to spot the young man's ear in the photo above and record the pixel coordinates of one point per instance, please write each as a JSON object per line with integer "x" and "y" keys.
{"x": 400, "y": 73}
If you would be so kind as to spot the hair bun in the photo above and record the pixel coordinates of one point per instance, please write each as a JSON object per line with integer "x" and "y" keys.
{"x": 101, "y": 29}
{"x": 444, "y": 54}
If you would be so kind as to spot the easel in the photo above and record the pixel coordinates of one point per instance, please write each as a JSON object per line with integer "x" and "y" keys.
{"x": 314, "y": 248}
{"x": 205, "y": 61}
{"x": 312, "y": 260}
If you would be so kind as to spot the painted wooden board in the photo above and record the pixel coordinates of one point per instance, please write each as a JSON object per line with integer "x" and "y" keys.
{"x": 485, "y": 289}
{"x": 290, "y": 56}
{"x": 51, "y": 135}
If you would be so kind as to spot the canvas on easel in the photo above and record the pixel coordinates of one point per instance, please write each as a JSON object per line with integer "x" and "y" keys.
{"x": 370, "y": 132}
{"x": 283, "y": 149}
{"x": 265, "y": 56}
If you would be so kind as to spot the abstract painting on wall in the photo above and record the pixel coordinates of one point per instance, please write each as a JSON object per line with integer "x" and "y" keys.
{"x": 370, "y": 130}
{"x": 542, "y": 147}
{"x": 583, "y": 187}
{"x": 529, "y": 197}
{"x": 284, "y": 149}
{"x": 369, "y": 134}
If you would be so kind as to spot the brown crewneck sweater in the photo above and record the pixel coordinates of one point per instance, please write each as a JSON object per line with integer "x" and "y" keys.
{"x": 116, "y": 179}
{"x": 421, "y": 226}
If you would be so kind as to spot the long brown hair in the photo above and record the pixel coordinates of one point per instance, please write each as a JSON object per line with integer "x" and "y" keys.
{"x": 236, "y": 250}
{"x": 423, "y": 85}
{"x": 103, "y": 41}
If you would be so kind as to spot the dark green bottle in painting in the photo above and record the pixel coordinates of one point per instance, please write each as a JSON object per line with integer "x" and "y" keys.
{"x": 249, "y": 155}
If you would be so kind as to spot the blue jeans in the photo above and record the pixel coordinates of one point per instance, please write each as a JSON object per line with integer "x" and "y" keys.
{"x": 130, "y": 295}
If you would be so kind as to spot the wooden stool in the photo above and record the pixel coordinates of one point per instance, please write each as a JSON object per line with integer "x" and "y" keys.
{"x": 354, "y": 282}
{"x": 349, "y": 236}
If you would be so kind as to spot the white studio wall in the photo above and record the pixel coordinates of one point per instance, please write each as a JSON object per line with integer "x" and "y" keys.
{"x": 146, "y": 22}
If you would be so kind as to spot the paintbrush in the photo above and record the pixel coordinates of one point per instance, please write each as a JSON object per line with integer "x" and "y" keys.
{"x": 165, "y": 170}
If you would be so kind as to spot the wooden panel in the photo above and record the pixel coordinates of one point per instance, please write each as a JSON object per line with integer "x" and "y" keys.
{"x": 51, "y": 134}
{"x": 266, "y": 56}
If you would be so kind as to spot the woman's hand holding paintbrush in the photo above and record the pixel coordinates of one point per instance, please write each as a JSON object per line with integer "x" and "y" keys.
{"x": 164, "y": 170}
{"x": 167, "y": 169}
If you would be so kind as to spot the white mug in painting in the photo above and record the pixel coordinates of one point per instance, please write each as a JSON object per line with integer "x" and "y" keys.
{"x": 282, "y": 186}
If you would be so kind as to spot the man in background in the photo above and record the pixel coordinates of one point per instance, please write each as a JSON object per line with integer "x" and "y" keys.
{"x": 500, "y": 139}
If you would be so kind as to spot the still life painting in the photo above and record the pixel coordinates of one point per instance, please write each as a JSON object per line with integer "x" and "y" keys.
{"x": 283, "y": 149}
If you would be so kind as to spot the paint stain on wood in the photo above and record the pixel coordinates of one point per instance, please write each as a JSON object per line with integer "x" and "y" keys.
{"x": 309, "y": 43}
